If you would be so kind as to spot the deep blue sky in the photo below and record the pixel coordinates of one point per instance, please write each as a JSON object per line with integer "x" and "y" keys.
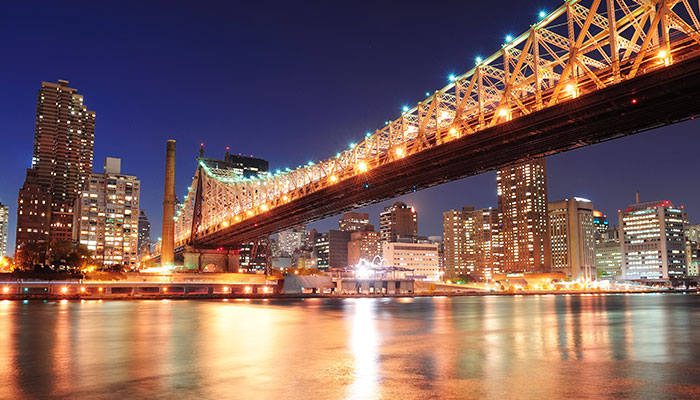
{"x": 289, "y": 82}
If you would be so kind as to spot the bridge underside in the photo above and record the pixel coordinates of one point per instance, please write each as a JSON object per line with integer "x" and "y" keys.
{"x": 654, "y": 99}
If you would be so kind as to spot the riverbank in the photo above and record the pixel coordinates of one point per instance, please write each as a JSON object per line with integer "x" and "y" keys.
{"x": 300, "y": 296}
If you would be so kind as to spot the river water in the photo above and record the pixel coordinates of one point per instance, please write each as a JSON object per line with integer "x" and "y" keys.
{"x": 496, "y": 347}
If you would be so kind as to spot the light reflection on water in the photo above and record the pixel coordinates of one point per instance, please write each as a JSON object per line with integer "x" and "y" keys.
{"x": 638, "y": 346}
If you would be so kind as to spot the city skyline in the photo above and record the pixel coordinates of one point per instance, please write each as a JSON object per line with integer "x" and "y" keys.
{"x": 127, "y": 108}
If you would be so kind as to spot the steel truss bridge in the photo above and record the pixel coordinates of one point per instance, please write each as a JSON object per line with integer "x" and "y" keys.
{"x": 588, "y": 72}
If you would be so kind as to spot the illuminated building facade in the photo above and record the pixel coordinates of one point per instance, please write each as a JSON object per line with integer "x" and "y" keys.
{"x": 363, "y": 245}
{"x": 455, "y": 243}
{"x": 692, "y": 249}
{"x": 354, "y": 222}
{"x": 471, "y": 243}
{"x": 290, "y": 240}
{"x": 107, "y": 216}
{"x": 653, "y": 241}
{"x": 608, "y": 260}
{"x": 422, "y": 258}
{"x": 4, "y": 222}
{"x": 485, "y": 239}
{"x": 523, "y": 216}
{"x": 572, "y": 235}
{"x": 62, "y": 160}
{"x": 144, "y": 243}
{"x": 398, "y": 220}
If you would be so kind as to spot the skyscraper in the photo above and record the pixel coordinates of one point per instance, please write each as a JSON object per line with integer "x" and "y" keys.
{"x": 144, "y": 243}
{"x": 398, "y": 220}
{"x": 4, "y": 222}
{"x": 354, "y": 221}
{"x": 63, "y": 149}
{"x": 523, "y": 216}
{"x": 572, "y": 233}
{"x": 107, "y": 216}
{"x": 653, "y": 241}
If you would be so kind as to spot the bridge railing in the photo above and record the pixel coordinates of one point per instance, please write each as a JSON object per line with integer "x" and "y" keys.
{"x": 572, "y": 51}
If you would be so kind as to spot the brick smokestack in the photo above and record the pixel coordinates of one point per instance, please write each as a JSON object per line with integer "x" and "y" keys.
{"x": 167, "y": 253}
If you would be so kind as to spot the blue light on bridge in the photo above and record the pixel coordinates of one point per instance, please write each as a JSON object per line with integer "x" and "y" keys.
{"x": 352, "y": 145}
{"x": 509, "y": 38}
{"x": 478, "y": 60}
{"x": 405, "y": 108}
{"x": 427, "y": 94}
{"x": 452, "y": 77}
{"x": 542, "y": 14}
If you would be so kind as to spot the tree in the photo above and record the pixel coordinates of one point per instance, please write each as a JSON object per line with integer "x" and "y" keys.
{"x": 71, "y": 254}
{"x": 31, "y": 254}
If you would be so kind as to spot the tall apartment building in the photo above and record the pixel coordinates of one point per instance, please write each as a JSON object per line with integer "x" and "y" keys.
{"x": 353, "y": 222}
{"x": 653, "y": 241}
{"x": 523, "y": 216}
{"x": 471, "y": 244}
{"x": 364, "y": 245}
{"x": 62, "y": 161}
{"x": 487, "y": 244}
{"x": 454, "y": 242}
{"x": 4, "y": 223}
{"x": 398, "y": 220}
{"x": 572, "y": 234}
{"x": 422, "y": 258}
{"x": 107, "y": 216}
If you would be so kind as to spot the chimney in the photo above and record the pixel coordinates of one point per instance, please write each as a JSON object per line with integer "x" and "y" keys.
{"x": 167, "y": 252}
{"x": 636, "y": 197}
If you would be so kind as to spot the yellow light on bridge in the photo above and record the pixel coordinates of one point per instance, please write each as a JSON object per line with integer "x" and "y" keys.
{"x": 571, "y": 90}
{"x": 224, "y": 224}
{"x": 285, "y": 198}
{"x": 238, "y": 218}
{"x": 250, "y": 213}
{"x": 263, "y": 207}
{"x": 399, "y": 152}
{"x": 334, "y": 178}
{"x": 362, "y": 166}
{"x": 664, "y": 56}
{"x": 453, "y": 132}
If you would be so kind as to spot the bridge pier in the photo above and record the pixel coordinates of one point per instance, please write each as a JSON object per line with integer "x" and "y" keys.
{"x": 211, "y": 260}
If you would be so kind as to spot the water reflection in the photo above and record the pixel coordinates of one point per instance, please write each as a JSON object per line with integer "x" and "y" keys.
{"x": 638, "y": 346}
{"x": 364, "y": 343}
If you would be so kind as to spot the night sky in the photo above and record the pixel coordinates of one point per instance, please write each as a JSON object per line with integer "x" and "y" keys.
{"x": 290, "y": 82}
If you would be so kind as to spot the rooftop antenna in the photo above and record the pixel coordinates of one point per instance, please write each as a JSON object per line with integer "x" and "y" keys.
{"x": 636, "y": 196}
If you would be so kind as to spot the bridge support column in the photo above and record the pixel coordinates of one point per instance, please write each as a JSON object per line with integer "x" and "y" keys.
{"x": 211, "y": 260}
